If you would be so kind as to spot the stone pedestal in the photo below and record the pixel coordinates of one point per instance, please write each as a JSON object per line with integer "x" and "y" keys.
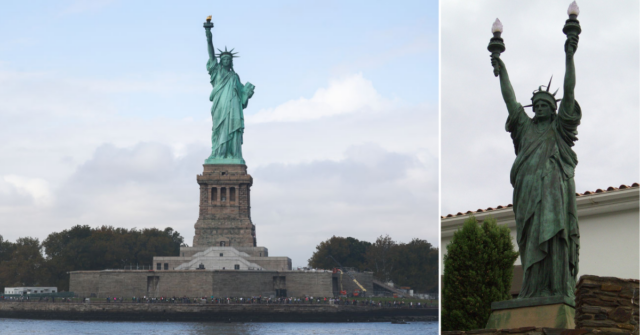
{"x": 225, "y": 207}
{"x": 541, "y": 312}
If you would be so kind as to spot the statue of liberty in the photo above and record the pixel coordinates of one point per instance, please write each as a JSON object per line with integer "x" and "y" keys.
{"x": 229, "y": 98}
{"x": 544, "y": 197}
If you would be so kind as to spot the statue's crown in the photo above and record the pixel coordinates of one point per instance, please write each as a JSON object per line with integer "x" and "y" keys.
{"x": 227, "y": 52}
{"x": 545, "y": 95}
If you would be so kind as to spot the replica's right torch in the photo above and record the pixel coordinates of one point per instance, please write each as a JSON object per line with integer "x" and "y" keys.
{"x": 572, "y": 25}
{"x": 496, "y": 44}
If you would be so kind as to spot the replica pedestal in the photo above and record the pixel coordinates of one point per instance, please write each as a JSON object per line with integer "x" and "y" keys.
{"x": 547, "y": 312}
{"x": 225, "y": 207}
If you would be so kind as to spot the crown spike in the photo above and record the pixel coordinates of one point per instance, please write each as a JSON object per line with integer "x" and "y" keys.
{"x": 549, "y": 86}
{"x": 554, "y": 93}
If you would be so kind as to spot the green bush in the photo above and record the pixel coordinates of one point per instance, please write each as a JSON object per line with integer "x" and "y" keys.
{"x": 478, "y": 270}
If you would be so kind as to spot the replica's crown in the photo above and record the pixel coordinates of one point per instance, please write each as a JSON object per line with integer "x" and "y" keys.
{"x": 227, "y": 52}
{"x": 545, "y": 95}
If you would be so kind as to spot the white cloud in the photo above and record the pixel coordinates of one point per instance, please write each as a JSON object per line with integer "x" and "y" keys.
{"x": 348, "y": 95}
{"x": 36, "y": 188}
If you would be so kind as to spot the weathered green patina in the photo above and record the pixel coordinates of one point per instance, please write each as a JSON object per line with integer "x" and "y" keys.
{"x": 540, "y": 315}
{"x": 229, "y": 98}
{"x": 544, "y": 200}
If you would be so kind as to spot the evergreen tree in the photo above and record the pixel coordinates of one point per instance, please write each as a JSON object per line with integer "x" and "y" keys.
{"x": 478, "y": 270}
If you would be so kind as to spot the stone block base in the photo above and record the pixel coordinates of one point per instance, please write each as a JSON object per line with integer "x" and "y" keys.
{"x": 546, "y": 312}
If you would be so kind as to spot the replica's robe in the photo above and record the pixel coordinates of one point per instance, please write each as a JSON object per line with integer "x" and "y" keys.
{"x": 229, "y": 98}
{"x": 544, "y": 201}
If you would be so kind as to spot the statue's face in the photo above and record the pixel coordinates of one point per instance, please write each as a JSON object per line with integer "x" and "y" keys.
{"x": 542, "y": 109}
{"x": 226, "y": 61}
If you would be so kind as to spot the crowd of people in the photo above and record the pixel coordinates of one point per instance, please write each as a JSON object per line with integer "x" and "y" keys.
{"x": 396, "y": 303}
{"x": 26, "y": 298}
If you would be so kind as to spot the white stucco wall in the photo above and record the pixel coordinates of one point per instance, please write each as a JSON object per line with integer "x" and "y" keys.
{"x": 609, "y": 232}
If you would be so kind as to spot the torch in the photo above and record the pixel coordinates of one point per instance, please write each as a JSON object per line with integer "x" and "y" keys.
{"x": 496, "y": 44}
{"x": 208, "y": 25}
{"x": 572, "y": 25}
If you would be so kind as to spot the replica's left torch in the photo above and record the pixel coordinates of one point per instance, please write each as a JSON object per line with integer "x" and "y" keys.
{"x": 208, "y": 24}
{"x": 572, "y": 25}
{"x": 496, "y": 44}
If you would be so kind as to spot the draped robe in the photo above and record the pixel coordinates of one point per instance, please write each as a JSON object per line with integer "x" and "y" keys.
{"x": 544, "y": 201}
{"x": 229, "y": 98}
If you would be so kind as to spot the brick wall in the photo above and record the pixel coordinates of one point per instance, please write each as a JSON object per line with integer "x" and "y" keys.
{"x": 316, "y": 284}
{"x": 272, "y": 263}
{"x": 84, "y": 283}
{"x": 607, "y": 304}
{"x": 196, "y": 283}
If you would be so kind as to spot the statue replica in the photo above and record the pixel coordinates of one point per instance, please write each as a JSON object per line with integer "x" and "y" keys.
{"x": 544, "y": 197}
{"x": 229, "y": 98}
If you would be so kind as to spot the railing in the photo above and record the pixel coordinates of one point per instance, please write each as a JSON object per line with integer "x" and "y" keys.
{"x": 136, "y": 267}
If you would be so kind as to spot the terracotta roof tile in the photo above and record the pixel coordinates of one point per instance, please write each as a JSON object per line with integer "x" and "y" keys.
{"x": 609, "y": 189}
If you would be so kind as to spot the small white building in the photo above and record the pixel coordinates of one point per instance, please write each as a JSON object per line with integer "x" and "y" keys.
{"x": 609, "y": 224}
{"x": 29, "y": 290}
{"x": 222, "y": 258}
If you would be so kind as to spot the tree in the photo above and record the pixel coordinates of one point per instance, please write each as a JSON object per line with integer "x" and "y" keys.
{"x": 349, "y": 251}
{"x": 106, "y": 247}
{"x": 25, "y": 267}
{"x": 381, "y": 258}
{"x": 478, "y": 270}
{"x": 416, "y": 266}
{"x": 6, "y": 249}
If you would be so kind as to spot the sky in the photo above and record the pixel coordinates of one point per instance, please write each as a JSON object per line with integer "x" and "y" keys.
{"x": 477, "y": 152}
{"x": 105, "y": 118}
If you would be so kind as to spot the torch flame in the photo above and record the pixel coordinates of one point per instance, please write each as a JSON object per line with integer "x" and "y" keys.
{"x": 209, "y": 18}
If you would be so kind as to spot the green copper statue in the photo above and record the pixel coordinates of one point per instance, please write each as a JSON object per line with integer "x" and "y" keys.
{"x": 229, "y": 98}
{"x": 544, "y": 197}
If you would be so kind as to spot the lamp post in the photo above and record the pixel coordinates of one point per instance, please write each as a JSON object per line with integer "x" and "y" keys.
{"x": 496, "y": 44}
{"x": 572, "y": 25}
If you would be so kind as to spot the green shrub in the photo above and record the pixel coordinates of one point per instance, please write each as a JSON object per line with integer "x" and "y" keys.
{"x": 478, "y": 270}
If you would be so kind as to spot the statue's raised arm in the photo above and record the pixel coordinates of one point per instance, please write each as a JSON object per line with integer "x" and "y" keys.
{"x": 496, "y": 47}
{"x": 212, "y": 56}
{"x": 568, "y": 98}
{"x": 508, "y": 94}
